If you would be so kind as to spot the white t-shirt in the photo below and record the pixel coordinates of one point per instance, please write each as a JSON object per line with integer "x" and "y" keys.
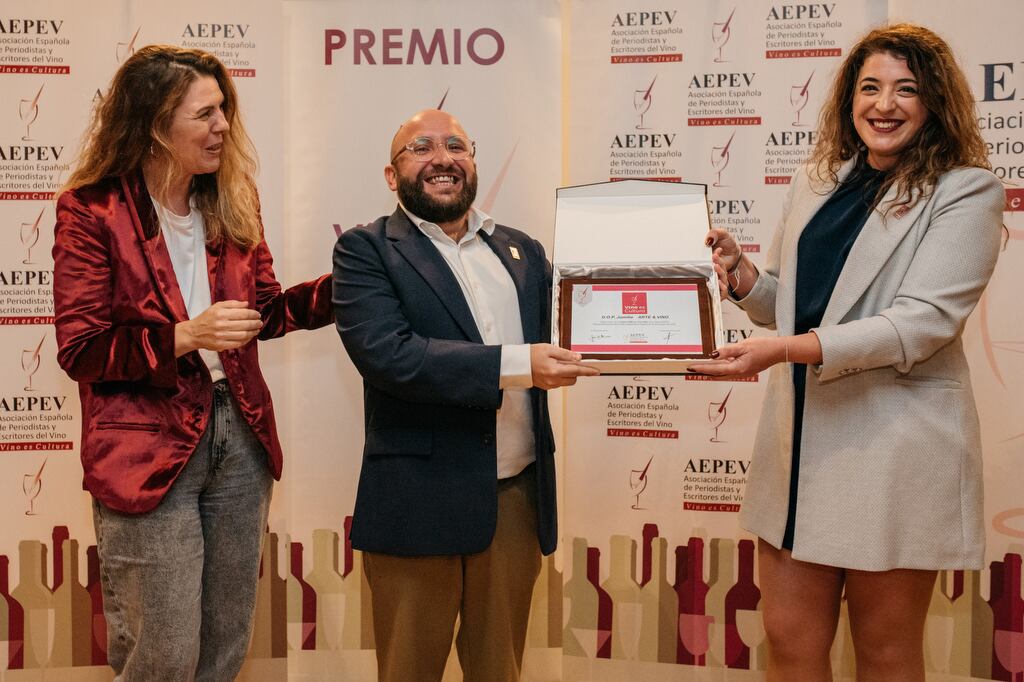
{"x": 185, "y": 237}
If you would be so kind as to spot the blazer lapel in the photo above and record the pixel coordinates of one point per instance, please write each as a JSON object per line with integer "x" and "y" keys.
{"x": 513, "y": 256}
{"x": 425, "y": 259}
{"x": 874, "y": 245}
{"x": 213, "y": 259}
{"x": 143, "y": 216}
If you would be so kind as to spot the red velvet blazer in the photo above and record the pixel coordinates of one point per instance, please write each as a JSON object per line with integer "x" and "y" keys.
{"x": 116, "y": 301}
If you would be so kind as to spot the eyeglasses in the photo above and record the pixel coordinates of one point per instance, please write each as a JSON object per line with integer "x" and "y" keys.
{"x": 423, "y": 149}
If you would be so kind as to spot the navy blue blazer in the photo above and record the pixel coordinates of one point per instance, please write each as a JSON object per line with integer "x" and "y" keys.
{"x": 428, "y": 483}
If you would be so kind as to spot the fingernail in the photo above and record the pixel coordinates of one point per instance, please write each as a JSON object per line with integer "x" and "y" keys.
{"x": 714, "y": 353}
{"x": 709, "y": 241}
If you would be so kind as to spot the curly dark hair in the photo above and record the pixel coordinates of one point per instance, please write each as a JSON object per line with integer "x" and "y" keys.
{"x": 950, "y": 137}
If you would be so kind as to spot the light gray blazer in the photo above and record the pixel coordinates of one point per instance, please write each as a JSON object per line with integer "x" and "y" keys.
{"x": 890, "y": 458}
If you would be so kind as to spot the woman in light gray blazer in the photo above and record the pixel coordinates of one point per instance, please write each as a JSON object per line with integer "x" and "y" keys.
{"x": 866, "y": 472}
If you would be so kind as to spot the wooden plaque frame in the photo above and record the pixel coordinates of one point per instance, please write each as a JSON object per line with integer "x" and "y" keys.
{"x": 707, "y": 329}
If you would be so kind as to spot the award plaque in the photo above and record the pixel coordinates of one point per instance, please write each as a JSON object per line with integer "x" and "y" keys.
{"x": 636, "y": 318}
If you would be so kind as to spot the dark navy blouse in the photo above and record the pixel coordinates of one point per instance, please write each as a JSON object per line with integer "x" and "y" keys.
{"x": 821, "y": 254}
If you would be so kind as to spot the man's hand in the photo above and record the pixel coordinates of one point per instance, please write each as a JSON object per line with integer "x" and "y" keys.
{"x": 222, "y": 326}
{"x": 552, "y": 366}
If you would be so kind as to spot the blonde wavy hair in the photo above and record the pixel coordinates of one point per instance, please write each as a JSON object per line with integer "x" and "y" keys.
{"x": 950, "y": 137}
{"x": 133, "y": 121}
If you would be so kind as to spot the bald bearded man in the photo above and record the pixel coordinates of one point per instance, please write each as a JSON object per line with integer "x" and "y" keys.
{"x": 444, "y": 313}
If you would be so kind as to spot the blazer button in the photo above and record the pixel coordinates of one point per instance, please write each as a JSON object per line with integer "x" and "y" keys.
{"x": 488, "y": 438}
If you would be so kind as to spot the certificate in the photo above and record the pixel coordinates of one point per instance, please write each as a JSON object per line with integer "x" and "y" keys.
{"x": 636, "y": 318}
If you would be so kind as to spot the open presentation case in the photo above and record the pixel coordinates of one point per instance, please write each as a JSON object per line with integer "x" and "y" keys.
{"x": 634, "y": 289}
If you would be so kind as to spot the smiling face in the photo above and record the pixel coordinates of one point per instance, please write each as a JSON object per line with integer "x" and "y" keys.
{"x": 887, "y": 111}
{"x": 439, "y": 189}
{"x": 198, "y": 127}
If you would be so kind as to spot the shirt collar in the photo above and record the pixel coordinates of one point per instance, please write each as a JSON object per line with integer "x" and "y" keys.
{"x": 478, "y": 220}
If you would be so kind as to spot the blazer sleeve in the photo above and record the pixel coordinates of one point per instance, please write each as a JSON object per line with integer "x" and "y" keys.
{"x": 948, "y": 273}
{"x": 759, "y": 303}
{"x": 90, "y": 347}
{"x": 388, "y": 352}
{"x": 303, "y": 306}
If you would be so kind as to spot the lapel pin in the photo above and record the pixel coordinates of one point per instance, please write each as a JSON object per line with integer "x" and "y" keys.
{"x": 515, "y": 252}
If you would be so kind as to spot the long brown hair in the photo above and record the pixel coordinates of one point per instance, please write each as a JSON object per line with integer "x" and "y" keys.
{"x": 133, "y": 122}
{"x": 950, "y": 137}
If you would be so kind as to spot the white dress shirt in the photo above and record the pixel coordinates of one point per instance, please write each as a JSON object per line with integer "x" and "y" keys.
{"x": 492, "y": 298}
{"x": 185, "y": 237}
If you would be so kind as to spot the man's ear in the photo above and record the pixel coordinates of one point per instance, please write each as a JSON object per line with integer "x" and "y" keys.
{"x": 391, "y": 177}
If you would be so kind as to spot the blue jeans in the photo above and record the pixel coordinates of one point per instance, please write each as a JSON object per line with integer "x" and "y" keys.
{"x": 179, "y": 582}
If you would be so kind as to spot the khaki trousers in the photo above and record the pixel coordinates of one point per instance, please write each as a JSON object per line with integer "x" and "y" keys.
{"x": 416, "y": 599}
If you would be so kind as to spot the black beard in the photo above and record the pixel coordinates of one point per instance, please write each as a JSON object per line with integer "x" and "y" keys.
{"x": 422, "y": 205}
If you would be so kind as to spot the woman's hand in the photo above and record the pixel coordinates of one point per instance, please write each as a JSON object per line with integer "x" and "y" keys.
{"x": 222, "y": 326}
{"x": 746, "y": 358}
{"x": 726, "y": 256}
{"x": 758, "y": 353}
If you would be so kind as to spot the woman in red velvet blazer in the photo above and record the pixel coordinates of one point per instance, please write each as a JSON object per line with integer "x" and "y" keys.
{"x": 179, "y": 442}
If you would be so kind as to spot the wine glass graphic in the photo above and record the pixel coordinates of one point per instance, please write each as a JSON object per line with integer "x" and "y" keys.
{"x": 716, "y": 415}
{"x": 798, "y": 98}
{"x": 32, "y": 485}
{"x": 1009, "y": 648}
{"x": 638, "y": 482}
{"x": 30, "y": 362}
{"x": 125, "y": 50}
{"x": 720, "y": 159}
{"x": 694, "y": 633}
{"x": 720, "y": 34}
{"x": 28, "y": 111}
{"x": 29, "y": 235}
{"x": 750, "y": 628}
{"x": 642, "y": 102}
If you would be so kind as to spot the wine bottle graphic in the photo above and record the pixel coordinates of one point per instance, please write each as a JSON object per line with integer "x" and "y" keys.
{"x": 660, "y": 605}
{"x": 326, "y": 582}
{"x": 301, "y": 604}
{"x": 624, "y": 591}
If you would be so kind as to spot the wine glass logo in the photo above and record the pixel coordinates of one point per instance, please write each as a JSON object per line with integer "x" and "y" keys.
{"x": 1009, "y": 648}
{"x": 720, "y": 34}
{"x": 750, "y": 627}
{"x": 638, "y": 482}
{"x": 695, "y": 634}
{"x": 642, "y": 102}
{"x": 28, "y": 111}
{"x": 29, "y": 235}
{"x": 798, "y": 99}
{"x": 30, "y": 359}
{"x": 32, "y": 485}
{"x": 716, "y": 415}
{"x": 720, "y": 159}
{"x": 125, "y": 50}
